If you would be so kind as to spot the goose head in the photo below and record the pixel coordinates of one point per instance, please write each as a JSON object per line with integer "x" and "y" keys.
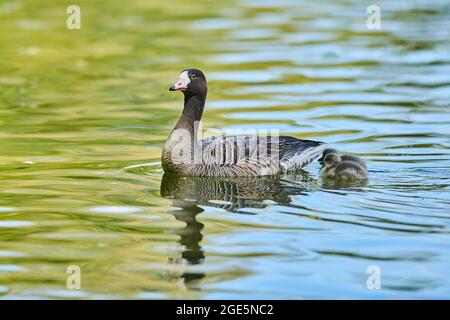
{"x": 325, "y": 152}
{"x": 331, "y": 159}
{"x": 191, "y": 82}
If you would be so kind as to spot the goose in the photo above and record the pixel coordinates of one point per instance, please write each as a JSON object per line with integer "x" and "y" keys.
{"x": 335, "y": 168}
{"x": 345, "y": 157}
{"x": 227, "y": 156}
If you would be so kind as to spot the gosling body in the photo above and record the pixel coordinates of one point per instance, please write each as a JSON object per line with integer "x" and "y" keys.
{"x": 335, "y": 168}
{"x": 344, "y": 157}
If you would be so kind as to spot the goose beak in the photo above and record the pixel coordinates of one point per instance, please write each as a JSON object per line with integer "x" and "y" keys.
{"x": 177, "y": 87}
{"x": 182, "y": 83}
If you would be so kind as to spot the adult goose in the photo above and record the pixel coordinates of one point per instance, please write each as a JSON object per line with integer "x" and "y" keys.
{"x": 227, "y": 156}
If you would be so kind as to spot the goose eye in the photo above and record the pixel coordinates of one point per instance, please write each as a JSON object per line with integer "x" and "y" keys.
{"x": 193, "y": 76}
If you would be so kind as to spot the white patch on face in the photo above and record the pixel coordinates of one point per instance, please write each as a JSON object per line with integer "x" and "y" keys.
{"x": 183, "y": 79}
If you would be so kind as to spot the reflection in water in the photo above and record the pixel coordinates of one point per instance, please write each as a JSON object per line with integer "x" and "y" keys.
{"x": 310, "y": 69}
{"x": 230, "y": 194}
{"x": 190, "y": 235}
{"x": 233, "y": 194}
{"x": 343, "y": 184}
{"x": 190, "y": 238}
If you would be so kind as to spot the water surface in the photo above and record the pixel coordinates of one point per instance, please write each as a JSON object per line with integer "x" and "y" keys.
{"x": 84, "y": 115}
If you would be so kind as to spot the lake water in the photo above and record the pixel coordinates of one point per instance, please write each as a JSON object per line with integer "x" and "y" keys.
{"x": 84, "y": 115}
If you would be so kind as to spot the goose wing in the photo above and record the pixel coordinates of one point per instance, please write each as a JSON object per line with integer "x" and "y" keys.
{"x": 223, "y": 150}
{"x": 290, "y": 152}
{"x": 296, "y": 153}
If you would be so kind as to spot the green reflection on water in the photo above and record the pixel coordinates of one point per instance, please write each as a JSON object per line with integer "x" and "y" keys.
{"x": 84, "y": 114}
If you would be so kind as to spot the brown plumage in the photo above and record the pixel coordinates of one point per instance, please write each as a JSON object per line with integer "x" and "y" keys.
{"x": 335, "y": 168}
{"x": 227, "y": 156}
{"x": 344, "y": 157}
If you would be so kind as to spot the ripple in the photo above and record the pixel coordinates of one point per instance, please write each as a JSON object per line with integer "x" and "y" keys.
{"x": 66, "y": 294}
{"x": 151, "y": 168}
{"x": 115, "y": 209}
{"x": 97, "y": 196}
{"x": 11, "y": 254}
{"x": 215, "y": 24}
{"x": 12, "y": 268}
{"x": 151, "y": 296}
{"x": 246, "y": 76}
{"x": 14, "y": 224}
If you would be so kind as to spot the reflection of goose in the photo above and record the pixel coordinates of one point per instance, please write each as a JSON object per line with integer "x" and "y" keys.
{"x": 190, "y": 238}
{"x": 190, "y": 235}
{"x": 230, "y": 156}
{"x": 229, "y": 193}
{"x": 189, "y": 193}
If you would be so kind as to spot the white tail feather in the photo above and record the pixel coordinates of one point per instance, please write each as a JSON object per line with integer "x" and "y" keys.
{"x": 302, "y": 159}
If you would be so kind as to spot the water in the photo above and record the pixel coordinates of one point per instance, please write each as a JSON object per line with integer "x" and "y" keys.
{"x": 84, "y": 115}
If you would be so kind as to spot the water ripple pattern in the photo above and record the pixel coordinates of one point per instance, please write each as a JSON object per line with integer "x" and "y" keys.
{"x": 84, "y": 115}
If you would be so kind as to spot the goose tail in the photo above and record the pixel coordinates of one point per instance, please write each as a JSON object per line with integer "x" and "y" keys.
{"x": 307, "y": 151}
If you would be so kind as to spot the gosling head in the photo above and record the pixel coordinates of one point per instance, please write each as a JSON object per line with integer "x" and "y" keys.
{"x": 331, "y": 159}
{"x": 191, "y": 82}
{"x": 325, "y": 152}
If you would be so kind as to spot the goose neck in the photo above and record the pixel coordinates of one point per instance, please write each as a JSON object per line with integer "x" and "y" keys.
{"x": 192, "y": 113}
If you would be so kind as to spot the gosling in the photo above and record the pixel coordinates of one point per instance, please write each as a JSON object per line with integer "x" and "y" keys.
{"x": 335, "y": 168}
{"x": 345, "y": 157}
